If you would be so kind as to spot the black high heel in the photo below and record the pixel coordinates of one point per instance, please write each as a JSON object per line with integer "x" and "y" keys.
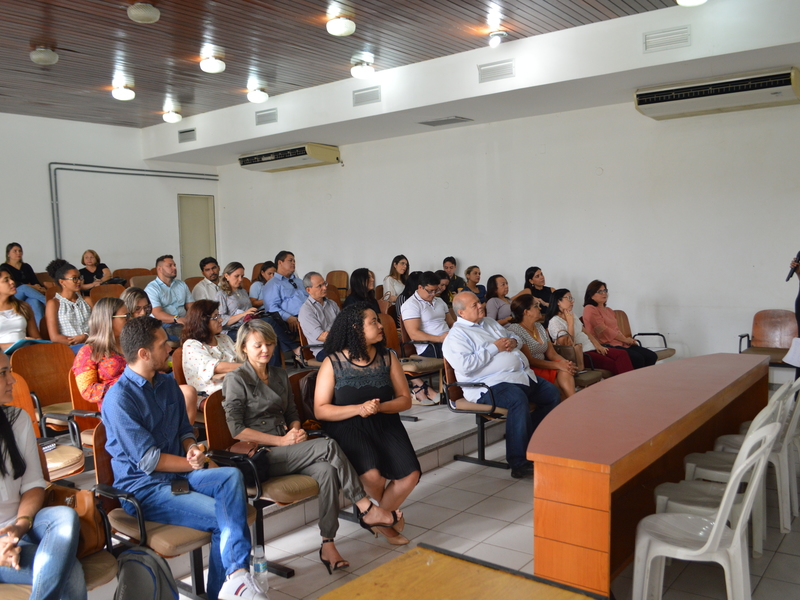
{"x": 371, "y": 528}
{"x": 340, "y": 564}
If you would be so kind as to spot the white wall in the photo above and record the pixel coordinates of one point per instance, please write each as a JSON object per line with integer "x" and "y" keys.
{"x": 112, "y": 214}
{"x": 691, "y": 222}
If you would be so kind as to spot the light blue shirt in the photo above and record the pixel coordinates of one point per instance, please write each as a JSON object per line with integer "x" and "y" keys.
{"x": 280, "y": 296}
{"x": 470, "y": 350}
{"x": 171, "y": 298}
{"x": 255, "y": 289}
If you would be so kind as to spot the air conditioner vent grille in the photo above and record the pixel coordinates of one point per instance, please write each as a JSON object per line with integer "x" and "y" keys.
{"x": 716, "y": 89}
{"x": 502, "y": 69}
{"x": 265, "y": 117}
{"x": 187, "y": 135}
{"x": 667, "y": 39}
{"x": 367, "y": 96}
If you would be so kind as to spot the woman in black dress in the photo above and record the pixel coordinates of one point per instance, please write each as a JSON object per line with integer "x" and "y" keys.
{"x": 360, "y": 392}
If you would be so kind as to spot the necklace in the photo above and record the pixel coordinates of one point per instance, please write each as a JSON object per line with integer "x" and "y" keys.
{"x": 534, "y": 332}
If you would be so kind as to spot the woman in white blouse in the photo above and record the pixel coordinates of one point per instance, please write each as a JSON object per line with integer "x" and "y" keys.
{"x": 16, "y": 317}
{"x": 208, "y": 354}
{"x": 234, "y": 303}
{"x": 395, "y": 281}
{"x": 67, "y": 314}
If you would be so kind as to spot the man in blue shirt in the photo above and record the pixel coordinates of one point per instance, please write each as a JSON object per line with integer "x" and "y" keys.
{"x": 151, "y": 444}
{"x": 170, "y": 297}
{"x": 480, "y": 350}
{"x": 284, "y": 293}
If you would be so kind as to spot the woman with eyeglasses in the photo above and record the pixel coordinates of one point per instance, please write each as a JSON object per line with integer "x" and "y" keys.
{"x": 67, "y": 314}
{"x": 601, "y": 322}
{"x": 137, "y": 301}
{"x": 208, "y": 354}
{"x": 565, "y": 329}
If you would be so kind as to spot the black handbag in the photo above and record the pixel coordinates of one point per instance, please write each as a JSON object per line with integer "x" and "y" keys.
{"x": 252, "y": 461}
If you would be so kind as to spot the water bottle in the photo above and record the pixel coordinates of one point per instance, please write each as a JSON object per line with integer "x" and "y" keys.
{"x": 260, "y": 568}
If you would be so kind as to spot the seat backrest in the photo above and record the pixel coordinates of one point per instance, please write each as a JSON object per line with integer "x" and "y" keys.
{"x": 622, "y": 323}
{"x": 308, "y": 354}
{"x": 379, "y": 293}
{"x": 177, "y": 366}
{"x": 44, "y": 278}
{"x": 51, "y": 292}
{"x": 338, "y": 280}
{"x": 21, "y": 398}
{"x": 390, "y": 333}
{"x": 128, "y": 273}
{"x": 773, "y": 411}
{"x": 218, "y": 436}
{"x": 43, "y": 329}
{"x": 46, "y": 367}
{"x": 103, "y": 471}
{"x": 192, "y": 281}
{"x": 256, "y": 271}
{"x": 788, "y": 432}
{"x": 80, "y": 403}
{"x": 141, "y": 281}
{"x": 246, "y": 284}
{"x": 109, "y": 290}
{"x": 774, "y": 329}
{"x": 452, "y": 393}
{"x": 750, "y": 464}
{"x": 332, "y": 295}
{"x": 294, "y": 381}
{"x": 384, "y": 304}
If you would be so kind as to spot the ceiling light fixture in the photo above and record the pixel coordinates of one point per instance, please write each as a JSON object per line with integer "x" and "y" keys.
{"x": 143, "y": 13}
{"x": 496, "y": 37}
{"x": 172, "y": 117}
{"x": 44, "y": 56}
{"x": 257, "y": 95}
{"x": 340, "y": 26}
{"x": 690, "y": 2}
{"x": 362, "y": 70}
{"x": 123, "y": 92}
{"x": 212, "y": 64}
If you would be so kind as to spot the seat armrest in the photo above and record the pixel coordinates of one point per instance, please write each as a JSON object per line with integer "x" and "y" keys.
{"x": 741, "y": 336}
{"x": 469, "y": 384}
{"x": 75, "y": 412}
{"x": 107, "y": 491}
{"x": 661, "y": 335}
{"x": 234, "y": 459}
{"x": 72, "y": 426}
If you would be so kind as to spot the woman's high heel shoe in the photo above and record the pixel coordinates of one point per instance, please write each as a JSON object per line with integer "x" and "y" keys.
{"x": 372, "y": 527}
{"x": 340, "y": 564}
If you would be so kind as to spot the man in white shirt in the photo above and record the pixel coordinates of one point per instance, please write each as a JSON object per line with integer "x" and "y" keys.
{"x": 426, "y": 317}
{"x": 207, "y": 288}
{"x": 480, "y": 350}
{"x": 317, "y": 313}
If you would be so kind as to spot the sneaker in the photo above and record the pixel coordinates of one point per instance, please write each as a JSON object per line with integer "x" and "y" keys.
{"x": 242, "y": 587}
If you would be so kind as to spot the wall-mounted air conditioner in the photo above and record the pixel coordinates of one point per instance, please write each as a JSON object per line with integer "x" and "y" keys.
{"x": 761, "y": 89}
{"x": 291, "y": 157}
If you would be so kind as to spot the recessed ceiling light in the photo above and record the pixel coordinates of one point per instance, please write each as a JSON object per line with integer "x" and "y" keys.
{"x": 143, "y": 13}
{"x": 123, "y": 92}
{"x": 690, "y": 2}
{"x": 496, "y": 37}
{"x": 212, "y": 65}
{"x": 172, "y": 116}
{"x": 257, "y": 95}
{"x": 340, "y": 26}
{"x": 44, "y": 56}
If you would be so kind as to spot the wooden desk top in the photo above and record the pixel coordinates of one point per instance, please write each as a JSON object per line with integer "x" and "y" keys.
{"x": 629, "y": 420}
{"x": 423, "y": 574}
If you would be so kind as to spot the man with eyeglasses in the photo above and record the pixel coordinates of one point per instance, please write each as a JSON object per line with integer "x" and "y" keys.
{"x": 282, "y": 294}
{"x": 169, "y": 296}
{"x": 207, "y": 288}
{"x": 426, "y": 317}
{"x": 317, "y": 313}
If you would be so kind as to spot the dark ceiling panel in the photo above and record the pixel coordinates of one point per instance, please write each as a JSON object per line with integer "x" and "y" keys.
{"x": 282, "y": 42}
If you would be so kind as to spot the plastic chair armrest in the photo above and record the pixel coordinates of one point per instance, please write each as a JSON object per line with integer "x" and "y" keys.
{"x": 743, "y": 335}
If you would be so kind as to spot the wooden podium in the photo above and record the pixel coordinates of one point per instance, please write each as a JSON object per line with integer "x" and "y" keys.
{"x": 599, "y": 456}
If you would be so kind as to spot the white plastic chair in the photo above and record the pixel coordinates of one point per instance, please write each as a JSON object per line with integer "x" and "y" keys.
{"x": 691, "y": 537}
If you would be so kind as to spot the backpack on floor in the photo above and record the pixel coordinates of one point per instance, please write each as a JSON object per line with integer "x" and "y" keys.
{"x": 144, "y": 575}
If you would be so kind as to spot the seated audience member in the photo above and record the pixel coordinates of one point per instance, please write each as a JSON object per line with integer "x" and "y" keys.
{"x": 264, "y": 275}
{"x": 362, "y": 289}
{"x": 28, "y": 287}
{"x": 317, "y": 313}
{"x": 444, "y": 282}
{"x": 360, "y": 392}
{"x": 473, "y": 275}
{"x": 169, "y": 296}
{"x": 426, "y": 317}
{"x": 456, "y": 283}
{"x": 498, "y": 304}
{"x": 481, "y": 350}
{"x": 151, "y": 443}
{"x": 411, "y": 288}
{"x": 234, "y": 303}
{"x": 601, "y": 322}
{"x": 537, "y": 347}
{"x": 534, "y": 282}
{"x": 94, "y": 272}
{"x": 67, "y": 313}
{"x": 208, "y": 354}
{"x": 37, "y": 545}
{"x": 395, "y": 281}
{"x": 283, "y": 295}
{"x": 259, "y": 407}
{"x": 565, "y": 329}
{"x": 16, "y": 317}
{"x": 137, "y": 301}
{"x": 208, "y": 287}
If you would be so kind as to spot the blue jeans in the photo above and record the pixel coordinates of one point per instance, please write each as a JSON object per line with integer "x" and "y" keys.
{"x": 216, "y": 503}
{"x": 47, "y": 557}
{"x": 520, "y": 422}
{"x": 33, "y": 297}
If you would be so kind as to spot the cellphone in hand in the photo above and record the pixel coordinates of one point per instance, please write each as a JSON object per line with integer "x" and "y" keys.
{"x": 180, "y": 486}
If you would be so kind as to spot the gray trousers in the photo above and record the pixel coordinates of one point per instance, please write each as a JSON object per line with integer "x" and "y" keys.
{"x": 323, "y": 460}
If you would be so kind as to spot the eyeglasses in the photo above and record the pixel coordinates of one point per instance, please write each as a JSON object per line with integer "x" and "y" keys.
{"x": 602, "y": 291}
{"x": 570, "y": 298}
{"x": 125, "y": 316}
{"x": 294, "y": 285}
{"x": 74, "y": 279}
{"x": 145, "y": 310}
{"x": 430, "y": 292}
{"x": 217, "y": 318}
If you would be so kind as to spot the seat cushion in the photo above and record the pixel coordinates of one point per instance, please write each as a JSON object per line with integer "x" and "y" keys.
{"x": 99, "y": 568}
{"x": 63, "y": 461}
{"x": 421, "y": 364}
{"x": 86, "y": 437}
{"x": 61, "y": 408}
{"x": 663, "y": 353}
{"x": 588, "y": 378}
{"x": 473, "y": 407}
{"x": 289, "y": 488}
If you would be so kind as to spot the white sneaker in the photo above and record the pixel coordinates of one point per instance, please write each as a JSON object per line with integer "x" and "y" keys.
{"x": 242, "y": 587}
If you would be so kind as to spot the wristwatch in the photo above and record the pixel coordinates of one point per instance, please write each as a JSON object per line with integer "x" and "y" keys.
{"x": 175, "y": 319}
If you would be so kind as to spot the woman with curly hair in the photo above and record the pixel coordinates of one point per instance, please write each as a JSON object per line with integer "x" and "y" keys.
{"x": 360, "y": 392}
{"x": 67, "y": 314}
